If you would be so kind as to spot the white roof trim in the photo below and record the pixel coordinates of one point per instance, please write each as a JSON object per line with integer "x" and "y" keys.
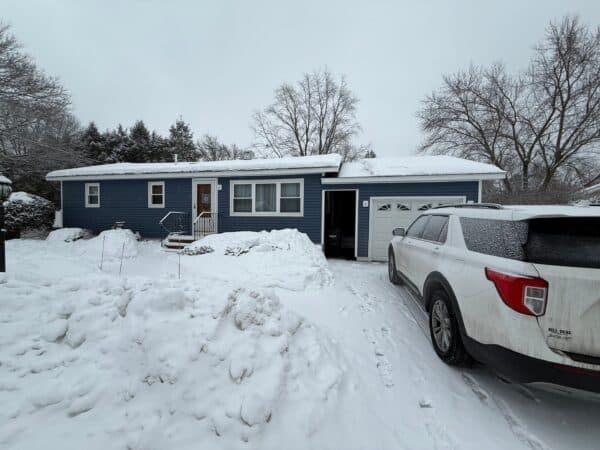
{"x": 164, "y": 175}
{"x": 414, "y": 178}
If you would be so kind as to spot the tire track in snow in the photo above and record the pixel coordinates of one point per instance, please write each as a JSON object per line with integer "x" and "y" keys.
{"x": 515, "y": 425}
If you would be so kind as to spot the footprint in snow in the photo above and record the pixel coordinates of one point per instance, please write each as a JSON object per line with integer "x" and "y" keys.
{"x": 384, "y": 367}
{"x": 439, "y": 436}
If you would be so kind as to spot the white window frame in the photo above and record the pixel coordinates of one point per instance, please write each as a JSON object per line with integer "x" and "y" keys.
{"x": 150, "y": 185}
{"x": 87, "y": 195}
{"x": 277, "y": 212}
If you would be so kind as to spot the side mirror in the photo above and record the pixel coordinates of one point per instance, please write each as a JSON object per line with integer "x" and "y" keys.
{"x": 399, "y": 232}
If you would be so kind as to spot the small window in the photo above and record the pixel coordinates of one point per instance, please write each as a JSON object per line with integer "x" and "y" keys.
{"x": 289, "y": 199}
{"x": 242, "y": 198}
{"x": 434, "y": 228}
{"x": 266, "y": 198}
{"x": 92, "y": 195}
{"x": 417, "y": 227}
{"x": 156, "y": 194}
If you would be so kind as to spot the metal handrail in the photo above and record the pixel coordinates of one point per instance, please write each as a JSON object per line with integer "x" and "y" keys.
{"x": 166, "y": 216}
{"x": 196, "y": 225}
{"x": 202, "y": 214}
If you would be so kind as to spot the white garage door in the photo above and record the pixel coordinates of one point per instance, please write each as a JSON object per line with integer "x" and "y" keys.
{"x": 393, "y": 212}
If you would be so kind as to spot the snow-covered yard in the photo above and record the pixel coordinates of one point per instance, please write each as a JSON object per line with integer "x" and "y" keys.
{"x": 256, "y": 341}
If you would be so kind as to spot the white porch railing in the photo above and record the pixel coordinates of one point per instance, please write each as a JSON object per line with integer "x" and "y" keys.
{"x": 205, "y": 223}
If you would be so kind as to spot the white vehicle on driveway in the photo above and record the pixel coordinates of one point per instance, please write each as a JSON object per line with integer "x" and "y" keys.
{"x": 515, "y": 287}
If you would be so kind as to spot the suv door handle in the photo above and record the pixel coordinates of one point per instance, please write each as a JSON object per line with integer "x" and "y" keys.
{"x": 436, "y": 248}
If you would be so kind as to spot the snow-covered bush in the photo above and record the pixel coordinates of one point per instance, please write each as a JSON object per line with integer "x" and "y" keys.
{"x": 197, "y": 250}
{"x": 68, "y": 235}
{"x": 24, "y": 211}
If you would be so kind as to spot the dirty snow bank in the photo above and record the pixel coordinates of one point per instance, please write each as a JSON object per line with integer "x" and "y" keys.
{"x": 142, "y": 363}
{"x": 279, "y": 258}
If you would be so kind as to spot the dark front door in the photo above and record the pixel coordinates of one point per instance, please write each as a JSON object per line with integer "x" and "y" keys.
{"x": 203, "y": 198}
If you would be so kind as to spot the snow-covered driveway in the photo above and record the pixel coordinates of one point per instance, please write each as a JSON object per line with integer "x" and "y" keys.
{"x": 260, "y": 344}
{"x": 416, "y": 401}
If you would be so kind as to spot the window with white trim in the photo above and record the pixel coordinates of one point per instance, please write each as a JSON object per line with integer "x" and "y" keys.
{"x": 156, "y": 194}
{"x": 92, "y": 195}
{"x": 290, "y": 198}
{"x": 242, "y": 198}
{"x": 267, "y": 198}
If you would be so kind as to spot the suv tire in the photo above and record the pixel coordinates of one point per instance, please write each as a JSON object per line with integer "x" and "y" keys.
{"x": 444, "y": 331}
{"x": 392, "y": 272}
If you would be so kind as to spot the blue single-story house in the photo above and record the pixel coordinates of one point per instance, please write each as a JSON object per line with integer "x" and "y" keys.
{"x": 349, "y": 208}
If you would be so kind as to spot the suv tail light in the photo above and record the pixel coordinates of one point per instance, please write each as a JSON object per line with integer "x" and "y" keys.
{"x": 524, "y": 294}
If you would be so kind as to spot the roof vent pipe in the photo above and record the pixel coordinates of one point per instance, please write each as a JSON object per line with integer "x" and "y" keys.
{"x": 175, "y": 157}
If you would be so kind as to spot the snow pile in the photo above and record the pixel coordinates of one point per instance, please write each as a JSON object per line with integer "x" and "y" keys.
{"x": 113, "y": 243}
{"x": 67, "y": 235}
{"x": 278, "y": 258}
{"x": 140, "y": 363}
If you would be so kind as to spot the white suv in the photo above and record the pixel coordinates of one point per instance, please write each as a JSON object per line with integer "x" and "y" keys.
{"x": 515, "y": 287}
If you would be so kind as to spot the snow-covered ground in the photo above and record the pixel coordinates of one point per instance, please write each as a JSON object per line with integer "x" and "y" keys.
{"x": 259, "y": 343}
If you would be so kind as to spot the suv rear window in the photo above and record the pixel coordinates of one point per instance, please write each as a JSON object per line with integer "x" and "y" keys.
{"x": 568, "y": 241}
{"x": 503, "y": 238}
{"x": 556, "y": 241}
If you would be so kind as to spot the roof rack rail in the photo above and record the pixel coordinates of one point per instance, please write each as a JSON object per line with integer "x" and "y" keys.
{"x": 471, "y": 205}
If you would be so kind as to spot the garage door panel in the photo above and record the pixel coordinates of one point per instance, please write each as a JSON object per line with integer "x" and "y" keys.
{"x": 395, "y": 212}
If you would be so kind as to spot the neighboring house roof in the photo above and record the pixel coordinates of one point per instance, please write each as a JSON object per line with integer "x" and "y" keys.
{"x": 4, "y": 180}
{"x": 415, "y": 168}
{"x": 287, "y": 165}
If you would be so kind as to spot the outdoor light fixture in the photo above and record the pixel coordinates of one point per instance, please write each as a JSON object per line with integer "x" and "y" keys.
{"x": 5, "y": 190}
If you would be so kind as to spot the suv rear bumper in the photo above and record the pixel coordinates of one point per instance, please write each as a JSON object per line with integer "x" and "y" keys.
{"x": 525, "y": 369}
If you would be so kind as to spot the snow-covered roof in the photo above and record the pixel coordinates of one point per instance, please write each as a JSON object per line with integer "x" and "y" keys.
{"x": 4, "y": 180}
{"x": 416, "y": 167}
{"x": 300, "y": 164}
{"x": 410, "y": 168}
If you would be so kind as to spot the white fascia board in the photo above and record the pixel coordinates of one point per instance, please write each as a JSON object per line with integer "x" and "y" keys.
{"x": 415, "y": 178}
{"x": 225, "y": 174}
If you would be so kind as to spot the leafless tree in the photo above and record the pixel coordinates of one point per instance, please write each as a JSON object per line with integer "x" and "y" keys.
{"x": 541, "y": 125}
{"x": 211, "y": 149}
{"x": 314, "y": 117}
{"x": 36, "y": 127}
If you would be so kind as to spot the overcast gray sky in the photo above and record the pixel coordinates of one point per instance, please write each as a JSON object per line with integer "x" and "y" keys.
{"x": 216, "y": 62}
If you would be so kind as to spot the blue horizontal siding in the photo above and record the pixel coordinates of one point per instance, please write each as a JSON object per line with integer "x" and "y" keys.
{"x": 310, "y": 223}
{"x": 125, "y": 200}
{"x": 470, "y": 189}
